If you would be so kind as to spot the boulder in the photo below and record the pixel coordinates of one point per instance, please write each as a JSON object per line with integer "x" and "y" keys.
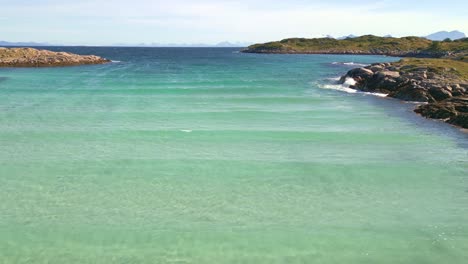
{"x": 454, "y": 110}
{"x": 376, "y": 68}
{"x": 459, "y": 120}
{"x": 436, "y": 111}
{"x": 385, "y": 84}
{"x": 392, "y": 74}
{"x": 458, "y": 92}
{"x": 439, "y": 94}
{"x": 412, "y": 93}
{"x": 360, "y": 73}
{"x": 460, "y": 103}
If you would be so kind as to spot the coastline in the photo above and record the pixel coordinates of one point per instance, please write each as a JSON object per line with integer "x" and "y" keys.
{"x": 431, "y": 72}
{"x": 440, "y": 91}
{"x": 30, "y": 57}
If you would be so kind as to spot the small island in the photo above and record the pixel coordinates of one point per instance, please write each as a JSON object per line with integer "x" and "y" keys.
{"x": 29, "y": 57}
{"x": 434, "y": 73}
{"x": 365, "y": 45}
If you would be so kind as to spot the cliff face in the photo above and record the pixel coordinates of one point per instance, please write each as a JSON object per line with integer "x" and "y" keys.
{"x": 29, "y": 57}
{"x": 442, "y": 84}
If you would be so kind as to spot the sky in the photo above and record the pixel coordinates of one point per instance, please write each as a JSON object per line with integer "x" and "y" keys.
{"x": 106, "y": 22}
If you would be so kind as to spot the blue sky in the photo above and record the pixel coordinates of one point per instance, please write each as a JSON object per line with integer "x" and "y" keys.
{"x": 105, "y": 22}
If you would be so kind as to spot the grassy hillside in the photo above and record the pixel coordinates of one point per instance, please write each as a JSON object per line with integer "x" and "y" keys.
{"x": 368, "y": 44}
{"x": 445, "y": 67}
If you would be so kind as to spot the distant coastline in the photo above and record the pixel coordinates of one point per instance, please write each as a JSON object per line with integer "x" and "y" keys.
{"x": 29, "y": 57}
{"x": 365, "y": 45}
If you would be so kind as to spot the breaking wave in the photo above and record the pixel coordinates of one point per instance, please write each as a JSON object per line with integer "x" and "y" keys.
{"x": 345, "y": 87}
{"x": 349, "y": 64}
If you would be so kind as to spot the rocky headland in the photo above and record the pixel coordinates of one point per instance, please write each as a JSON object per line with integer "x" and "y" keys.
{"x": 29, "y": 57}
{"x": 434, "y": 73}
{"x": 441, "y": 85}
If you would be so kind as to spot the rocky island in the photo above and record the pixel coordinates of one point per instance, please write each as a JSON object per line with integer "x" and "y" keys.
{"x": 434, "y": 73}
{"x": 364, "y": 45}
{"x": 29, "y": 57}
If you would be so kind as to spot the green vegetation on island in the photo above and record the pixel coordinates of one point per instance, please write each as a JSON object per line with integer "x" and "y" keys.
{"x": 458, "y": 69}
{"x": 368, "y": 44}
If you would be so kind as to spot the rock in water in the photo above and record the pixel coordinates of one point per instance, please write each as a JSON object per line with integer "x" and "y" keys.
{"x": 29, "y": 57}
{"x": 453, "y": 110}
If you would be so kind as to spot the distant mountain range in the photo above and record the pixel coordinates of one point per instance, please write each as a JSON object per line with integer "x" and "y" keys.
{"x": 235, "y": 44}
{"x": 349, "y": 36}
{"x": 441, "y": 35}
{"x": 224, "y": 44}
{"x": 21, "y": 44}
{"x": 220, "y": 45}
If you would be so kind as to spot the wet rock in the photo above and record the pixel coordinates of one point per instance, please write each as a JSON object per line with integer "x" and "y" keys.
{"x": 413, "y": 94}
{"x": 360, "y": 73}
{"x": 454, "y": 110}
{"x": 439, "y": 94}
{"x": 459, "y": 120}
{"x": 436, "y": 111}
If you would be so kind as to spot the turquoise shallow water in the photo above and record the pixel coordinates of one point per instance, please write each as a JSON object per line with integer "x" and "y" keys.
{"x": 213, "y": 156}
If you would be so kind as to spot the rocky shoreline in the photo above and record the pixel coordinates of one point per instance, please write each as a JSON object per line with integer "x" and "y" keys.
{"x": 29, "y": 57}
{"x": 434, "y": 73}
{"x": 437, "y": 84}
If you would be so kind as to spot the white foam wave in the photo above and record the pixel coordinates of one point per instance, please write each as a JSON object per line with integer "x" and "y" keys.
{"x": 345, "y": 87}
{"x": 349, "y": 81}
{"x": 115, "y": 61}
{"x": 186, "y": 130}
{"x": 349, "y": 64}
{"x": 335, "y": 79}
{"x": 338, "y": 87}
{"x": 377, "y": 94}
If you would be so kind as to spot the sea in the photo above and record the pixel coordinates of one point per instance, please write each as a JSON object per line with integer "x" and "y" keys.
{"x": 210, "y": 155}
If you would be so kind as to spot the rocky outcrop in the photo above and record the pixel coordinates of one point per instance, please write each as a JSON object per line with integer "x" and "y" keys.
{"x": 29, "y": 57}
{"x": 443, "y": 89}
{"x": 453, "y": 110}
